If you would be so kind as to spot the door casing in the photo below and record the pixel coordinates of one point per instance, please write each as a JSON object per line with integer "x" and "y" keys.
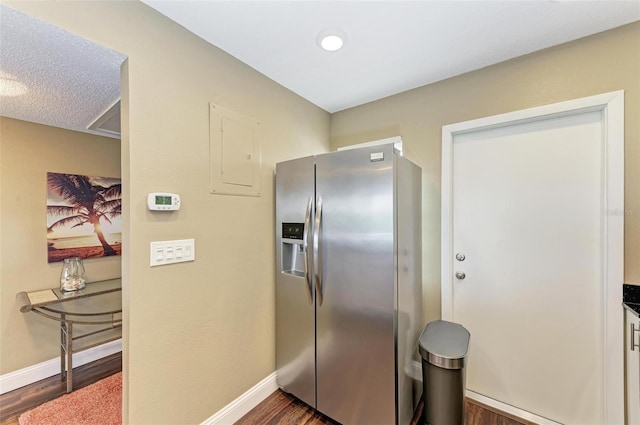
{"x": 612, "y": 107}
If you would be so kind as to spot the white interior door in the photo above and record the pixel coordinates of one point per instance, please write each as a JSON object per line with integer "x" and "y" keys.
{"x": 528, "y": 210}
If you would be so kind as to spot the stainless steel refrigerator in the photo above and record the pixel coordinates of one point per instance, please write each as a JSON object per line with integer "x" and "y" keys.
{"x": 348, "y": 283}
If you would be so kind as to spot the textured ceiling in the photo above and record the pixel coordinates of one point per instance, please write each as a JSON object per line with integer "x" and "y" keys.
{"x": 392, "y": 46}
{"x": 71, "y": 82}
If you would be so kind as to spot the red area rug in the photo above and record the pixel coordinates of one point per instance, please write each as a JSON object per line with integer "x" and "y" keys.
{"x": 97, "y": 404}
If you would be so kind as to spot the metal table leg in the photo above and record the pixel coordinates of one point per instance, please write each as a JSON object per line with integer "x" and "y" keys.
{"x": 66, "y": 352}
{"x": 63, "y": 367}
{"x": 69, "y": 349}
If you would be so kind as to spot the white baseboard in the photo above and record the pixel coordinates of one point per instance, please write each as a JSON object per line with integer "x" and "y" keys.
{"x": 523, "y": 414}
{"x": 243, "y": 404}
{"x": 35, "y": 373}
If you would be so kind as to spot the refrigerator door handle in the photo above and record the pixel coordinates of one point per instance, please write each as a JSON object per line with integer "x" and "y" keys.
{"x": 305, "y": 245}
{"x": 317, "y": 267}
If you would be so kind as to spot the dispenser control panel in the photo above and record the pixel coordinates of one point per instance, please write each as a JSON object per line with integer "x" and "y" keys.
{"x": 292, "y": 230}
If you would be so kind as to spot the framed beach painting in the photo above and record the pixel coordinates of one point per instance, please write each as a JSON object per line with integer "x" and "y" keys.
{"x": 83, "y": 216}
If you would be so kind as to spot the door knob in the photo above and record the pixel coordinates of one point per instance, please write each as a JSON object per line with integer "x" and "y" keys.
{"x": 460, "y": 256}
{"x": 460, "y": 275}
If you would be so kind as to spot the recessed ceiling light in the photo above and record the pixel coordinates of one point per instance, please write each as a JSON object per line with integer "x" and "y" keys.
{"x": 332, "y": 39}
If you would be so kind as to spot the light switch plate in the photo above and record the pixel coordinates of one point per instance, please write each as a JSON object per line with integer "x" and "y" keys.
{"x": 171, "y": 252}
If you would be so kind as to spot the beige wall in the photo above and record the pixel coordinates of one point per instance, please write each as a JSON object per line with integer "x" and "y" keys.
{"x": 605, "y": 62}
{"x": 197, "y": 334}
{"x": 27, "y": 152}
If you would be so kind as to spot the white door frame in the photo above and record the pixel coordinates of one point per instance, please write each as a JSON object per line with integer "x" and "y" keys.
{"x": 612, "y": 107}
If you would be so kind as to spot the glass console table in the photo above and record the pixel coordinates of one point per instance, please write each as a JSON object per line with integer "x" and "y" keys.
{"x": 98, "y": 304}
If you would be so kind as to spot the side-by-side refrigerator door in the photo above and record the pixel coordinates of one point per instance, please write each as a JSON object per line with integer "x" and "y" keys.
{"x": 355, "y": 294}
{"x": 295, "y": 299}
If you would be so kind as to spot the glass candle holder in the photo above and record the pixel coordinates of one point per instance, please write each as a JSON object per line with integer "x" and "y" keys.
{"x": 72, "y": 275}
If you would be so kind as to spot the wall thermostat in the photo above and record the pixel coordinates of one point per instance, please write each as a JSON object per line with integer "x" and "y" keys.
{"x": 158, "y": 201}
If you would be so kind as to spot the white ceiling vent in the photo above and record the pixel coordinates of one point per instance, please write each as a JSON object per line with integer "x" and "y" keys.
{"x": 108, "y": 123}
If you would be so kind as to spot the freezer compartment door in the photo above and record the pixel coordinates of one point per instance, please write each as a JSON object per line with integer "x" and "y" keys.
{"x": 355, "y": 295}
{"x": 295, "y": 303}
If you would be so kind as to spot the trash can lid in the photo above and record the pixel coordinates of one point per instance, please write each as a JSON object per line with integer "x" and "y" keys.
{"x": 445, "y": 344}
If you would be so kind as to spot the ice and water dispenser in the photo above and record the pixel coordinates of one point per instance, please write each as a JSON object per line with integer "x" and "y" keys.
{"x": 293, "y": 249}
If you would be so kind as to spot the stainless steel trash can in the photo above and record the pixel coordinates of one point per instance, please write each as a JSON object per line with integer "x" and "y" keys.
{"x": 444, "y": 347}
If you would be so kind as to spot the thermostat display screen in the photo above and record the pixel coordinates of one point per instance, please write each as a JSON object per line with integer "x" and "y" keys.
{"x": 160, "y": 201}
{"x": 163, "y": 200}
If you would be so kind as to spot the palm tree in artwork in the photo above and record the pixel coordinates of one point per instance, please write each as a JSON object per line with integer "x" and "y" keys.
{"x": 87, "y": 203}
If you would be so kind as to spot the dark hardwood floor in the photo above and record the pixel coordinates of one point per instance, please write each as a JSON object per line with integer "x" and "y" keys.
{"x": 282, "y": 409}
{"x": 14, "y": 403}
{"x": 277, "y": 409}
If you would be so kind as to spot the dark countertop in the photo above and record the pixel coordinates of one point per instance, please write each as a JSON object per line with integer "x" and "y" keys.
{"x": 631, "y": 298}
